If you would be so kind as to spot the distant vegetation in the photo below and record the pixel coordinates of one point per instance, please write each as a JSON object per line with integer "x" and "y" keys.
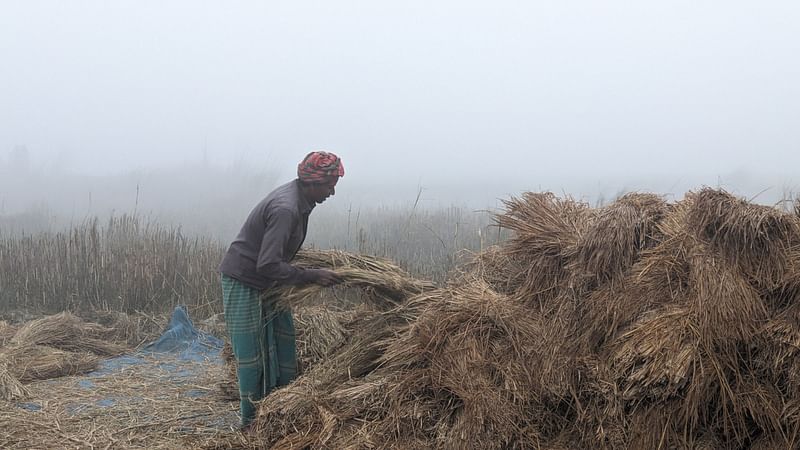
{"x": 132, "y": 263}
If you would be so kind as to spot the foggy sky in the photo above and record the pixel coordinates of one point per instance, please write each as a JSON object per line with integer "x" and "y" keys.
{"x": 514, "y": 95}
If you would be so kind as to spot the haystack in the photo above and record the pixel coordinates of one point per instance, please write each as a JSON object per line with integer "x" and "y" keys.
{"x": 639, "y": 325}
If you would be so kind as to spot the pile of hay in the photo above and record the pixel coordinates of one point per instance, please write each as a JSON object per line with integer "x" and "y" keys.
{"x": 50, "y": 347}
{"x": 637, "y": 325}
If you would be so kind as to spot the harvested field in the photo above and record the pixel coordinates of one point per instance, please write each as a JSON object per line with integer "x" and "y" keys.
{"x": 638, "y": 325}
{"x": 158, "y": 404}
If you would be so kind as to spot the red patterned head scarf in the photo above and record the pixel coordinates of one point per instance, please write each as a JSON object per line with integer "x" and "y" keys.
{"x": 316, "y": 167}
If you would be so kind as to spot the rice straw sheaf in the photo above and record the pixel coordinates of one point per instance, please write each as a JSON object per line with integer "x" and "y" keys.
{"x": 384, "y": 283}
{"x": 753, "y": 238}
{"x": 472, "y": 342}
{"x": 545, "y": 228}
{"x": 503, "y": 273}
{"x": 10, "y": 387}
{"x": 723, "y": 304}
{"x": 67, "y": 332}
{"x": 38, "y": 362}
{"x": 320, "y": 330}
{"x": 615, "y": 238}
{"x": 658, "y": 356}
{"x": 127, "y": 329}
{"x": 660, "y": 277}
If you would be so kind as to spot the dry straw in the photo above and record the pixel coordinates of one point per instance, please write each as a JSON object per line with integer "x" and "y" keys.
{"x": 636, "y": 325}
{"x": 38, "y": 362}
{"x": 65, "y": 331}
{"x": 756, "y": 239}
{"x": 612, "y": 242}
{"x": 545, "y": 229}
{"x": 383, "y": 283}
{"x": 6, "y": 332}
{"x": 10, "y": 387}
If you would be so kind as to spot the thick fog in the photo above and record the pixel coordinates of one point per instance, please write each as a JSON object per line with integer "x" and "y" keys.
{"x": 183, "y": 105}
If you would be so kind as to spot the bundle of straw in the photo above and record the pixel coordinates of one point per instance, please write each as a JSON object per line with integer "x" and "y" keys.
{"x": 615, "y": 239}
{"x": 38, "y": 362}
{"x": 10, "y": 387}
{"x": 67, "y": 332}
{"x": 545, "y": 229}
{"x": 320, "y": 331}
{"x": 753, "y": 238}
{"x": 384, "y": 284}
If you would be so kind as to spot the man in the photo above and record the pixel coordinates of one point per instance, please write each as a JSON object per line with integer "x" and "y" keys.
{"x": 258, "y": 261}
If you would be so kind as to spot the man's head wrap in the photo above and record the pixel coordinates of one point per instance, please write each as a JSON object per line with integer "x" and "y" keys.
{"x": 317, "y": 167}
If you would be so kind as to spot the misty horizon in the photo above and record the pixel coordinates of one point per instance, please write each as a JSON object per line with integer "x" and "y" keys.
{"x": 122, "y": 106}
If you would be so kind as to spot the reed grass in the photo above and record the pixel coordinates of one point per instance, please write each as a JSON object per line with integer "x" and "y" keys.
{"x": 122, "y": 265}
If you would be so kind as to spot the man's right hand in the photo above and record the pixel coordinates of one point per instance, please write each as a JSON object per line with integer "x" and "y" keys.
{"x": 324, "y": 277}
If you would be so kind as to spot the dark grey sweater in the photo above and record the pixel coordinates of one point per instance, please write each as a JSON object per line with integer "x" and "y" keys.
{"x": 269, "y": 239}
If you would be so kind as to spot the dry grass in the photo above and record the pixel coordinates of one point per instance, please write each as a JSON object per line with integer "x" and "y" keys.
{"x": 53, "y": 346}
{"x": 545, "y": 229}
{"x": 615, "y": 238}
{"x": 65, "y": 331}
{"x": 38, "y": 362}
{"x": 10, "y": 387}
{"x": 126, "y": 264}
{"x": 638, "y": 325}
{"x": 755, "y": 239}
{"x": 151, "y": 405}
{"x": 381, "y": 282}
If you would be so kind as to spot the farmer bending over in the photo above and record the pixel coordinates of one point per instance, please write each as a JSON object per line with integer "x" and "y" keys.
{"x": 259, "y": 261}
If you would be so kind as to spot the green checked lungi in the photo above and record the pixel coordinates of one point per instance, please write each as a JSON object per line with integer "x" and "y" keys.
{"x": 263, "y": 342}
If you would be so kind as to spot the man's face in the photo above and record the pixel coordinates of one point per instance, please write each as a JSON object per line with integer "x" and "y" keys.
{"x": 321, "y": 191}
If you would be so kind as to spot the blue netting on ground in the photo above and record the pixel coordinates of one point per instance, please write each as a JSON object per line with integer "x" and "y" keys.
{"x": 183, "y": 338}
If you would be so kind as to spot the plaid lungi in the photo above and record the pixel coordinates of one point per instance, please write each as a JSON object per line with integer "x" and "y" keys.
{"x": 263, "y": 342}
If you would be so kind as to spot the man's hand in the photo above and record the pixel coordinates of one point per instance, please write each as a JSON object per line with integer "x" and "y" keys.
{"x": 324, "y": 277}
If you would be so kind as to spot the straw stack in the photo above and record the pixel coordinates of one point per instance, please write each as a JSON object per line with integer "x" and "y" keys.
{"x": 638, "y": 325}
